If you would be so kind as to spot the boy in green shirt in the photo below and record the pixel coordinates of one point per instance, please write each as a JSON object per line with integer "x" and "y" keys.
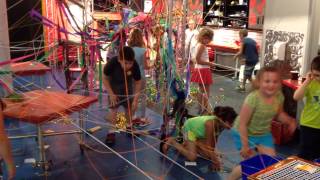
{"x": 310, "y": 118}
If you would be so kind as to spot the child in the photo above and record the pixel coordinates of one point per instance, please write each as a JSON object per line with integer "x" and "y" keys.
{"x": 310, "y": 118}
{"x": 202, "y": 73}
{"x": 5, "y": 149}
{"x": 136, "y": 42}
{"x": 156, "y": 41}
{"x": 252, "y": 128}
{"x": 120, "y": 74}
{"x": 248, "y": 49}
{"x": 201, "y": 134}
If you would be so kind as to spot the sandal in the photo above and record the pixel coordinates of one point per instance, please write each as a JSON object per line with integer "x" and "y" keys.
{"x": 140, "y": 122}
{"x": 164, "y": 147}
{"x": 110, "y": 139}
{"x": 144, "y": 122}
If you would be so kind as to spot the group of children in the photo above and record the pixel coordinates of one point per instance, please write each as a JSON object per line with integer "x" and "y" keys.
{"x": 124, "y": 78}
{"x": 251, "y": 129}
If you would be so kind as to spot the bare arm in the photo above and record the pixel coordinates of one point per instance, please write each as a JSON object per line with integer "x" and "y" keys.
{"x": 112, "y": 96}
{"x": 200, "y": 50}
{"x": 286, "y": 119}
{"x": 206, "y": 146}
{"x": 137, "y": 88}
{"x": 299, "y": 93}
{"x": 210, "y": 144}
{"x": 245, "y": 116}
{"x": 106, "y": 84}
{"x": 240, "y": 52}
{"x": 5, "y": 149}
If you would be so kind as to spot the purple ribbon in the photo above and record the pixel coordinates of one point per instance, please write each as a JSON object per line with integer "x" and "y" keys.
{"x": 56, "y": 80}
{"x": 188, "y": 80}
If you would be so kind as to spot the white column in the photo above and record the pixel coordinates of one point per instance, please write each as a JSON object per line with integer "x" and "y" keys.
{"x": 5, "y": 75}
{"x": 313, "y": 35}
{"x": 183, "y": 29}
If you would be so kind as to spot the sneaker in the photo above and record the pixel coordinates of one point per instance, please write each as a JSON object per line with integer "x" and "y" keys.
{"x": 140, "y": 122}
{"x": 110, "y": 139}
{"x": 241, "y": 89}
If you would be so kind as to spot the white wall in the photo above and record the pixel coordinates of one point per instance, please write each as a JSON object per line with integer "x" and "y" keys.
{"x": 78, "y": 14}
{"x": 4, "y": 33}
{"x": 319, "y": 39}
{"x": 227, "y": 37}
{"x": 287, "y": 15}
{"x": 313, "y": 34}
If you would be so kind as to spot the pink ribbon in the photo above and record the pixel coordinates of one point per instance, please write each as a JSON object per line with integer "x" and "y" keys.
{"x": 18, "y": 59}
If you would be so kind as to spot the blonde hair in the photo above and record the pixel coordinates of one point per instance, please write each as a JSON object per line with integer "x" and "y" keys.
{"x": 243, "y": 32}
{"x": 261, "y": 72}
{"x": 191, "y": 21}
{"x": 205, "y": 33}
{"x": 136, "y": 38}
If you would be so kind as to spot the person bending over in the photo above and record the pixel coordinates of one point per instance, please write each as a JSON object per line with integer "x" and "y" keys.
{"x": 122, "y": 80}
{"x": 201, "y": 134}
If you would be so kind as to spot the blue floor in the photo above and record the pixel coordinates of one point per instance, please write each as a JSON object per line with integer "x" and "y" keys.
{"x": 99, "y": 162}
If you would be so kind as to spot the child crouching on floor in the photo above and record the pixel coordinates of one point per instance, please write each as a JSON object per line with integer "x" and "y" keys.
{"x": 201, "y": 134}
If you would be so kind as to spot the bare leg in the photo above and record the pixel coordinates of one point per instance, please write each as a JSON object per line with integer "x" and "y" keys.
{"x": 235, "y": 174}
{"x": 188, "y": 149}
{"x": 266, "y": 150}
{"x": 205, "y": 91}
{"x": 206, "y": 96}
{"x": 112, "y": 118}
{"x": 206, "y": 146}
{"x": 244, "y": 82}
{"x": 200, "y": 99}
{"x": 112, "y": 115}
{"x": 143, "y": 102}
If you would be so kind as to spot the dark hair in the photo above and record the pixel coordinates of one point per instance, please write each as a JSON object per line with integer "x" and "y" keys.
{"x": 315, "y": 64}
{"x": 225, "y": 113}
{"x": 126, "y": 53}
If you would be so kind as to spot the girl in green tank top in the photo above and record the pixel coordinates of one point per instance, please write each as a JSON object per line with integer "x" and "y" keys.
{"x": 201, "y": 133}
{"x": 252, "y": 127}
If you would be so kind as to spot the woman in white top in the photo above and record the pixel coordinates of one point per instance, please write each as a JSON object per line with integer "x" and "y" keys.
{"x": 191, "y": 38}
{"x": 201, "y": 74}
